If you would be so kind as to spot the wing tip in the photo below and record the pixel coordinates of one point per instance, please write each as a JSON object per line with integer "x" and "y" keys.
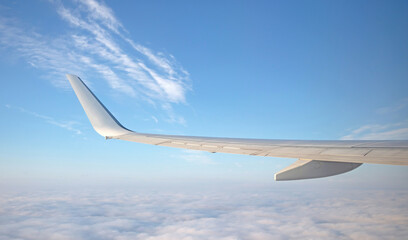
{"x": 70, "y": 75}
{"x": 101, "y": 119}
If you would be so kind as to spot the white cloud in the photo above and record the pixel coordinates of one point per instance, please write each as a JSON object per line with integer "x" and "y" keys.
{"x": 397, "y": 107}
{"x": 266, "y": 214}
{"x": 164, "y": 79}
{"x": 197, "y": 157}
{"x": 68, "y": 125}
{"x": 389, "y": 131}
{"x": 155, "y": 119}
{"x": 100, "y": 47}
{"x": 53, "y": 55}
{"x": 398, "y": 131}
{"x": 99, "y": 11}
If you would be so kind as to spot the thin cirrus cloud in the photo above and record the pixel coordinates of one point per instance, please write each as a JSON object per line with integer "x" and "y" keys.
{"x": 389, "y": 131}
{"x": 97, "y": 43}
{"x": 197, "y": 157}
{"x": 39, "y": 51}
{"x": 398, "y": 107}
{"x": 67, "y": 125}
{"x": 397, "y": 131}
{"x": 159, "y": 75}
{"x": 271, "y": 214}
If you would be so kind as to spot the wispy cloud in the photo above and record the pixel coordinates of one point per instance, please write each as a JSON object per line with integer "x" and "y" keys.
{"x": 68, "y": 125}
{"x": 158, "y": 75}
{"x": 196, "y": 157}
{"x": 53, "y": 55}
{"x": 99, "y": 46}
{"x": 388, "y": 131}
{"x": 398, "y": 106}
{"x": 101, "y": 12}
{"x": 398, "y": 131}
{"x": 155, "y": 119}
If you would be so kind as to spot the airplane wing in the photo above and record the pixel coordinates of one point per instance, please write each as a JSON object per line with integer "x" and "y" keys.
{"x": 317, "y": 158}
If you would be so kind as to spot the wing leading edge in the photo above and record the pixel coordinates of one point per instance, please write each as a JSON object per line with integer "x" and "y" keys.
{"x": 317, "y": 158}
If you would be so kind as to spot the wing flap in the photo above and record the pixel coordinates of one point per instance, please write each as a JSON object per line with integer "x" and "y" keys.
{"x": 306, "y": 169}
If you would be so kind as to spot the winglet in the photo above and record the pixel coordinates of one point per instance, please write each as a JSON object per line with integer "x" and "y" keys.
{"x": 101, "y": 119}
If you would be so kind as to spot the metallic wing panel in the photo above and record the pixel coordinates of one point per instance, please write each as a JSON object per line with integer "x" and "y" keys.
{"x": 335, "y": 151}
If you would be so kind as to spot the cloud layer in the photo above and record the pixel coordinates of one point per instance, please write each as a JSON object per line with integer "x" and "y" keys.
{"x": 277, "y": 214}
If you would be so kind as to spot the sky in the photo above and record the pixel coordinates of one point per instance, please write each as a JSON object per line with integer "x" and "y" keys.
{"x": 264, "y": 69}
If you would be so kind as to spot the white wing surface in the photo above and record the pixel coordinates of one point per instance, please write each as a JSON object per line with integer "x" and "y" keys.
{"x": 317, "y": 158}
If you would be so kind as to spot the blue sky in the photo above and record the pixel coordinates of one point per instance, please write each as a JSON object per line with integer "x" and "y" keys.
{"x": 286, "y": 70}
{"x": 264, "y": 69}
